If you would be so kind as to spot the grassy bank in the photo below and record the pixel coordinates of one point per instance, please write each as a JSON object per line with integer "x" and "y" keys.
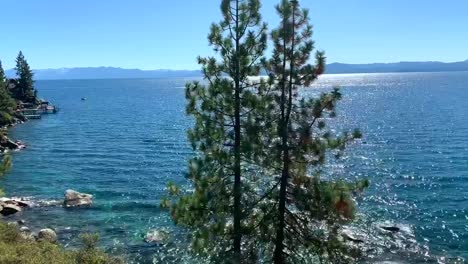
{"x": 17, "y": 247}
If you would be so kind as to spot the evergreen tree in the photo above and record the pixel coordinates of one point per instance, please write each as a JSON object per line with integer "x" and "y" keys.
{"x": 7, "y": 104}
{"x": 257, "y": 192}
{"x": 308, "y": 210}
{"x": 3, "y": 79}
{"x": 5, "y": 166}
{"x": 226, "y": 134}
{"x": 24, "y": 91}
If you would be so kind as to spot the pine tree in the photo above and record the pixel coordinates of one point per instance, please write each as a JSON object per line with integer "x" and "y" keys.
{"x": 3, "y": 79}
{"x": 7, "y": 104}
{"x": 226, "y": 134}
{"x": 24, "y": 91}
{"x": 5, "y": 166}
{"x": 260, "y": 147}
{"x": 304, "y": 201}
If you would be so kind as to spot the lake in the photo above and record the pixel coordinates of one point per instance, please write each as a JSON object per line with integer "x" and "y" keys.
{"x": 127, "y": 139}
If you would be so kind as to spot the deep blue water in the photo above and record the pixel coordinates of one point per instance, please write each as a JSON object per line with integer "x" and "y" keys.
{"x": 128, "y": 139}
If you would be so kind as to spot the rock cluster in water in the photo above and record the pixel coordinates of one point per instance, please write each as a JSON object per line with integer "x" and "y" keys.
{"x": 9, "y": 206}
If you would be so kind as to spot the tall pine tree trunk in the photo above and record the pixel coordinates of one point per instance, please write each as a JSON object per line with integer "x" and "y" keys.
{"x": 279, "y": 246}
{"x": 286, "y": 108}
{"x": 237, "y": 149}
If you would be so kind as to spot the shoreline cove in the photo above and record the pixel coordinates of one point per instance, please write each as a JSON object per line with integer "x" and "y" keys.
{"x": 127, "y": 179}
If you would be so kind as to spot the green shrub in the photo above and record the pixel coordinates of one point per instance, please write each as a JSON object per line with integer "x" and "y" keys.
{"x": 90, "y": 254}
{"x": 5, "y": 118}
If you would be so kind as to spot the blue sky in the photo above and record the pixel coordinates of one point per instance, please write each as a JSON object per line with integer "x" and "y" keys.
{"x": 154, "y": 34}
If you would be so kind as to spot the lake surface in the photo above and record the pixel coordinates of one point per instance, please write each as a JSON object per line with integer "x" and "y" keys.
{"x": 128, "y": 139}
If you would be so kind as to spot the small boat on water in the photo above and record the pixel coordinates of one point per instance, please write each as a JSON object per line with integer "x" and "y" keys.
{"x": 83, "y": 99}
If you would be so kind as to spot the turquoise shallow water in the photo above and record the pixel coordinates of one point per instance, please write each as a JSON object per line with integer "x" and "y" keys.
{"x": 128, "y": 139}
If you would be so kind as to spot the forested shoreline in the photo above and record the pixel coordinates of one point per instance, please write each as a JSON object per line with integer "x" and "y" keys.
{"x": 18, "y": 244}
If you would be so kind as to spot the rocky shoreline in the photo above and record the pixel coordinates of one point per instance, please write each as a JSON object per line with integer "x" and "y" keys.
{"x": 71, "y": 199}
{"x": 6, "y": 143}
{"x": 14, "y": 205}
{"x": 23, "y": 113}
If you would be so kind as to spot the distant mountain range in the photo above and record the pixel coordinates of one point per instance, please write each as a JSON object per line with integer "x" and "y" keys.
{"x": 426, "y": 66}
{"x": 104, "y": 73}
{"x": 333, "y": 68}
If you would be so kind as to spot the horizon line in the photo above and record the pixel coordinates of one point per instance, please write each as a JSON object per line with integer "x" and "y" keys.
{"x": 168, "y": 69}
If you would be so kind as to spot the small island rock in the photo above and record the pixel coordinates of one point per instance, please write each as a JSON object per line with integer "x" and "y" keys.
{"x": 74, "y": 199}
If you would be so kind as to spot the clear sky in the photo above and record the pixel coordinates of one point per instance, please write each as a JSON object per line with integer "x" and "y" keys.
{"x": 155, "y": 34}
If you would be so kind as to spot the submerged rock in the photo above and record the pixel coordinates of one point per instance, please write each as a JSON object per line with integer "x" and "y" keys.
{"x": 74, "y": 199}
{"x": 156, "y": 236}
{"x": 48, "y": 203}
{"x": 393, "y": 229}
{"x": 348, "y": 235}
{"x": 388, "y": 262}
{"x": 47, "y": 235}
